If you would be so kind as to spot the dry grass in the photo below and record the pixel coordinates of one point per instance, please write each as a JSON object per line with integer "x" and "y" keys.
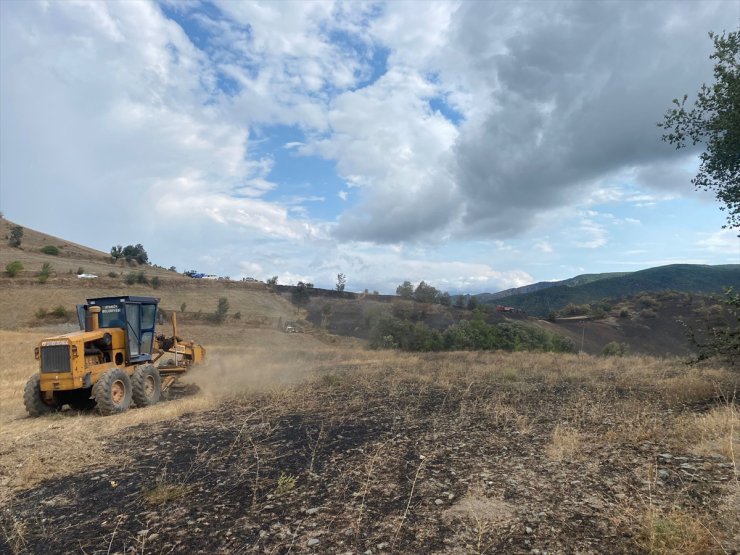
{"x": 565, "y": 443}
{"x": 602, "y": 401}
{"x": 674, "y": 531}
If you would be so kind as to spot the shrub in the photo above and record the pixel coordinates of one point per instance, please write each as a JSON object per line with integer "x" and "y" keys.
{"x": 46, "y": 271}
{"x": 141, "y": 278}
{"x": 156, "y": 282}
{"x": 113, "y": 274}
{"x": 648, "y": 313}
{"x": 80, "y": 270}
{"x": 130, "y": 278}
{"x": 13, "y": 268}
{"x": 183, "y": 306}
{"x": 50, "y": 249}
{"x": 221, "y": 309}
{"x": 41, "y": 313}
{"x": 60, "y": 312}
{"x": 237, "y": 316}
{"x": 16, "y": 236}
{"x": 615, "y": 349}
{"x": 624, "y": 313}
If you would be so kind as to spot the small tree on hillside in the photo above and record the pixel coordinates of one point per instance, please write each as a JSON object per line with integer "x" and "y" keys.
{"x": 341, "y": 282}
{"x": 221, "y": 309}
{"x": 13, "y": 268}
{"x": 405, "y": 290}
{"x": 16, "y": 236}
{"x": 116, "y": 252}
{"x": 472, "y": 302}
{"x": 425, "y": 293}
{"x": 272, "y": 282}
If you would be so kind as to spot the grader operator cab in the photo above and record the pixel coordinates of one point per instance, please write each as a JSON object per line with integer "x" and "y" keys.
{"x": 111, "y": 361}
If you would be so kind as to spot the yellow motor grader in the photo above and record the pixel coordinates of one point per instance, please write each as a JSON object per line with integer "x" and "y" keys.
{"x": 111, "y": 362}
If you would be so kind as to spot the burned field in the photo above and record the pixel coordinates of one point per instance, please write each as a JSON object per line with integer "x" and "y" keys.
{"x": 452, "y": 453}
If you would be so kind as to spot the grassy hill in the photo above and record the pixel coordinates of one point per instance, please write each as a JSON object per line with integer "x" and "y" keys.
{"x": 570, "y": 282}
{"x": 690, "y": 278}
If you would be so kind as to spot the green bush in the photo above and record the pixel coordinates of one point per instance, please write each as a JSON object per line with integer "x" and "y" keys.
{"x": 50, "y": 249}
{"x": 615, "y": 349}
{"x": 60, "y": 312}
{"x": 112, "y": 274}
{"x": 237, "y": 316}
{"x": 130, "y": 278}
{"x": 13, "y": 268}
{"x": 221, "y": 309}
{"x": 467, "y": 335}
{"x": 80, "y": 270}
{"x": 156, "y": 282}
{"x": 46, "y": 271}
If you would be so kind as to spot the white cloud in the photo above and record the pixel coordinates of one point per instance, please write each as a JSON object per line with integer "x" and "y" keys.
{"x": 724, "y": 241}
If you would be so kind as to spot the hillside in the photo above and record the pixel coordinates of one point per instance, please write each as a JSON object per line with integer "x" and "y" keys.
{"x": 70, "y": 259}
{"x": 570, "y": 282}
{"x": 690, "y": 278}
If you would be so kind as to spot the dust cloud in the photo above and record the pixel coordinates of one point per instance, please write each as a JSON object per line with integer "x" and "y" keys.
{"x": 230, "y": 373}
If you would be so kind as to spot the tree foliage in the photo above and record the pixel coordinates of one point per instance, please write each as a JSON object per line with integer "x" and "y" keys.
{"x": 425, "y": 293}
{"x": 723, "y": 340}
{"x": 16, "y": 236}
{"x": 300, "y": 295}
{"x": 405, "y": 290}
{"x": 714, "y": 121}
{"x": 13, "y": 268}
{"x": 130, "y": 253}
{"x": 341, "y": 282}
{"x": 466, "y": 335}
{"x": 221, "y": 309}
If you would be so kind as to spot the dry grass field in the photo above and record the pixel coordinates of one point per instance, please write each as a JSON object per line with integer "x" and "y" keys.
{"x": 311, "y": 443}
{"x": 295, "y": 444}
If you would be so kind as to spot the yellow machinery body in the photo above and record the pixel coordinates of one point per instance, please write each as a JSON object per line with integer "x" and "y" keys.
{"x": 118, "y": 335}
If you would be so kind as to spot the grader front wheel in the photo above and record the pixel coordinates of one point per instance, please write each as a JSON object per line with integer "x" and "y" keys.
{"x": 34, "y": 400}
{"x": 113, "y": 392}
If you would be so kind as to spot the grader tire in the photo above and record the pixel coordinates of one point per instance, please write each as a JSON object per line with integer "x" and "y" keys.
{"x": 147, "y": 385}
{"x": 34, "y": 401}
{"x": 112, "y": 392}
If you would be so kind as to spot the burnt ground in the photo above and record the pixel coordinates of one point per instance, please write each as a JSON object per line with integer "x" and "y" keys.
{"x": 383, "y": 462}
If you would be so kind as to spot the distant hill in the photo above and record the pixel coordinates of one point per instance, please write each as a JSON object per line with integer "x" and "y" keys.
{"x": 570, "y": 282}
{"x": 690, "y": 278}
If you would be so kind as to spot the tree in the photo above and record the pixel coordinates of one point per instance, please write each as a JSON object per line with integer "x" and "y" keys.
{"x": 444, "y": 299}
{"x": 405, "y": 290}
{"x": 16, "y": 236}
{"x": 135, "y": 252}
{"x": 300, "y": 295}
{"x": 116, "y": 252}
{"x": 714, "y": 121}
{"x": 460, "y": 301}
{"x": 472, "y": 302}
{"x": 272, "y": 282}
{"x": 341, "y": 282}
{"x": 425, "y": 293}
{"x": 221, "y": 309}
{"x": 721, "y": 341}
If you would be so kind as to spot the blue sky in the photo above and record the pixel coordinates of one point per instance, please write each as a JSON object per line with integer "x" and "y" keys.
{"x": 476, "y": 146}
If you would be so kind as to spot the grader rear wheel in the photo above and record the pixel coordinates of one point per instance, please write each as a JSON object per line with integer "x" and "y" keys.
{"x": 147, "y": 385}
{"x": 113, "y": 392}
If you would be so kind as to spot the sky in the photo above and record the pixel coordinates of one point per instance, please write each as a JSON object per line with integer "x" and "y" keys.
{"x": 474, "y": 145}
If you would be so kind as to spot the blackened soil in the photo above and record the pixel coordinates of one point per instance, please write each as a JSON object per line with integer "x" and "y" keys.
{"x": 379, "y": 464}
